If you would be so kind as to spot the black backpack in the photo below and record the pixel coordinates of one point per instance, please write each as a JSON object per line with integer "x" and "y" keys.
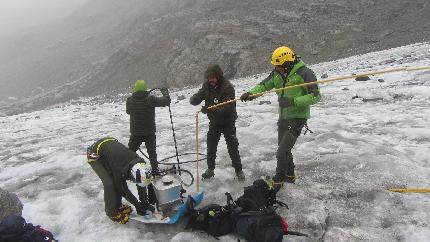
{"x": 259, "y": 226}
{"x": 259, "y": 196}
{"x": 214, "y": 219}
{"x": 14, "y": 228}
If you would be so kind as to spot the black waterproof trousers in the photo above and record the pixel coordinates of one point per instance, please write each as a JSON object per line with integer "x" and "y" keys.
{"x": 213, "y": 137}
{"x": 150, "y": 143}
{"x": 288, "y": 132}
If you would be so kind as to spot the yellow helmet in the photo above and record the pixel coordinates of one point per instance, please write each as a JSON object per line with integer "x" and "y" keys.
{"x": 281, "y": 55}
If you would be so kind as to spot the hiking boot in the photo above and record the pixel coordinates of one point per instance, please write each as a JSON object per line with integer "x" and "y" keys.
{"x": 209, "y": 173}
{"x": 290, "y": 179}
{"x": 278, "y": 182}
{"x": 240, "y": 176}
{"x": 125, "y": 209}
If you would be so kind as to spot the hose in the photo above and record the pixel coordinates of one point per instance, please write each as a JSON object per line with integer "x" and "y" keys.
{"x": 181, "y": 162}
{"x": 191, "y": 175}
{"x": 174, "y": 170}
{"x": 173, "y": 156}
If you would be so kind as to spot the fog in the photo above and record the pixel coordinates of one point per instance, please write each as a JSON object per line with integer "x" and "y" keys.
{"x": 17, "y": 15}
{"x": 56, "y": 50}
{"x": 59, "y": 42}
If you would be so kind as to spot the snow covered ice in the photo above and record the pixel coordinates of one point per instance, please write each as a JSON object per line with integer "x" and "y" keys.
{"x": 360, "y": 148}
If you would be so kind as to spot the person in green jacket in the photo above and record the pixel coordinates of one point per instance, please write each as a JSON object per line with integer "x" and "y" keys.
{"x": 294, "y": 105}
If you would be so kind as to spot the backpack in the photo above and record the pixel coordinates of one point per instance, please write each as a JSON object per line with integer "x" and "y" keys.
{"x": 14, "y": 228}
{"x": 260, "y": 226}
{"x": 214, "y": 219}
{"x": 259, "y": 196}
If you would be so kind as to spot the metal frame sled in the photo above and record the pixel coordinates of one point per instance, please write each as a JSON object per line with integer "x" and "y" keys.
{"x": 157, "y": 218}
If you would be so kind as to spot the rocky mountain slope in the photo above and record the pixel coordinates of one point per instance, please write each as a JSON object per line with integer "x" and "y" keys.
{"x": 107, "y": 45}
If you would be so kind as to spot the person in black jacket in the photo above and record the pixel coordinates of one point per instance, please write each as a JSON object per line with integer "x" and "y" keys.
{"x": 222, "y": 119}
{"x": 114, "y": 164}
{"x": 141, "y": 108}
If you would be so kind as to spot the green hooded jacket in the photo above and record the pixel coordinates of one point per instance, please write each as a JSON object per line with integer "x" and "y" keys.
{"x": 303, "y": 96}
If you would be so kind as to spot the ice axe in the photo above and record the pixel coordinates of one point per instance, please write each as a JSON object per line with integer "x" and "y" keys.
{"x": 173, "y": 129}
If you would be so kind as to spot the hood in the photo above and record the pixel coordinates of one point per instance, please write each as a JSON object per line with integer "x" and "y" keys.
{"x": 214, "y": 71}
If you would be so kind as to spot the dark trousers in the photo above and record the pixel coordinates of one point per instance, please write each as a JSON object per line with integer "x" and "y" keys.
{"x": 288, "y": 132}
{"x": 150, "y": 143}
{"x": 146, "y": 194}
{"x": 213, "y": 138}
{"x": 112, "y": 196}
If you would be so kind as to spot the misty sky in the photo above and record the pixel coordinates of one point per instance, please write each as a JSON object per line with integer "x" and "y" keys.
{"x": 16, "y": 15}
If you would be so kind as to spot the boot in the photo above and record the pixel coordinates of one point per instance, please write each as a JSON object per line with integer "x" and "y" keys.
{"x": 144, "y": 207}
{"x": 125, "y": 209}
{"x": 209, "y": 173}
{"x": 290, "y": 179}
{"x": 278, "y": 182}
{"x": 240, "y": 176}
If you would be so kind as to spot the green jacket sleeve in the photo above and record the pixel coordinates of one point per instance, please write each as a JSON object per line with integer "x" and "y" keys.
{"x": 267, "y": 84}
{"x": 313, "y": 91}
{"x": 307, "y": 100}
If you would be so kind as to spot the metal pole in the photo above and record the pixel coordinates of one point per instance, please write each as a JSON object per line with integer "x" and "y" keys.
{"x": 174, "y": 140}
{"x": 197, "y": 151}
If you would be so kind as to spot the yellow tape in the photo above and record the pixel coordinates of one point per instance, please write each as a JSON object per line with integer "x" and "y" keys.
{"x": 412, "y": 190}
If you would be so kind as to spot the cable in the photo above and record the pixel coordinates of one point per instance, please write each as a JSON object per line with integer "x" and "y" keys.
{"x": 177, "y": 155}
{"x": 174, "y": 170}
{"x": 182, "y": 162}
{"x": 192, "y": 178}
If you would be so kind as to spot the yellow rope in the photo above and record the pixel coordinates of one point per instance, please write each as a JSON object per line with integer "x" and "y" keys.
{"x": 328, "y": 80}
{"x": 412, "y": 190}
{"x": 301, "y": 85}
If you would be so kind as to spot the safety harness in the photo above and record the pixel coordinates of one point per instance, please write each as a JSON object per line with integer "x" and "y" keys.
{"x": 93, "y": 152}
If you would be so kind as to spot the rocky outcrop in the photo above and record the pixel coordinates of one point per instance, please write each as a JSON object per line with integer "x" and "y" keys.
{"x": 171, "y": 42}
{"x": 9, "y": 204}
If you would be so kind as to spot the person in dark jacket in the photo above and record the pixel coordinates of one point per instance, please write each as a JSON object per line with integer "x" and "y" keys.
{"x": 141, "y": 108}
{"x": 222, "y": 119}
{"x": 114, "y": 163}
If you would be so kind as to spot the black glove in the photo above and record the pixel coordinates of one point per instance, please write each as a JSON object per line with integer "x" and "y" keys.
{"x": 204, "y": 109}
{"x": 285, "y": 102}
{"x": 246, "y": 97}
{"x": 164, "y": 91}
{"x": 143, "y": 207}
